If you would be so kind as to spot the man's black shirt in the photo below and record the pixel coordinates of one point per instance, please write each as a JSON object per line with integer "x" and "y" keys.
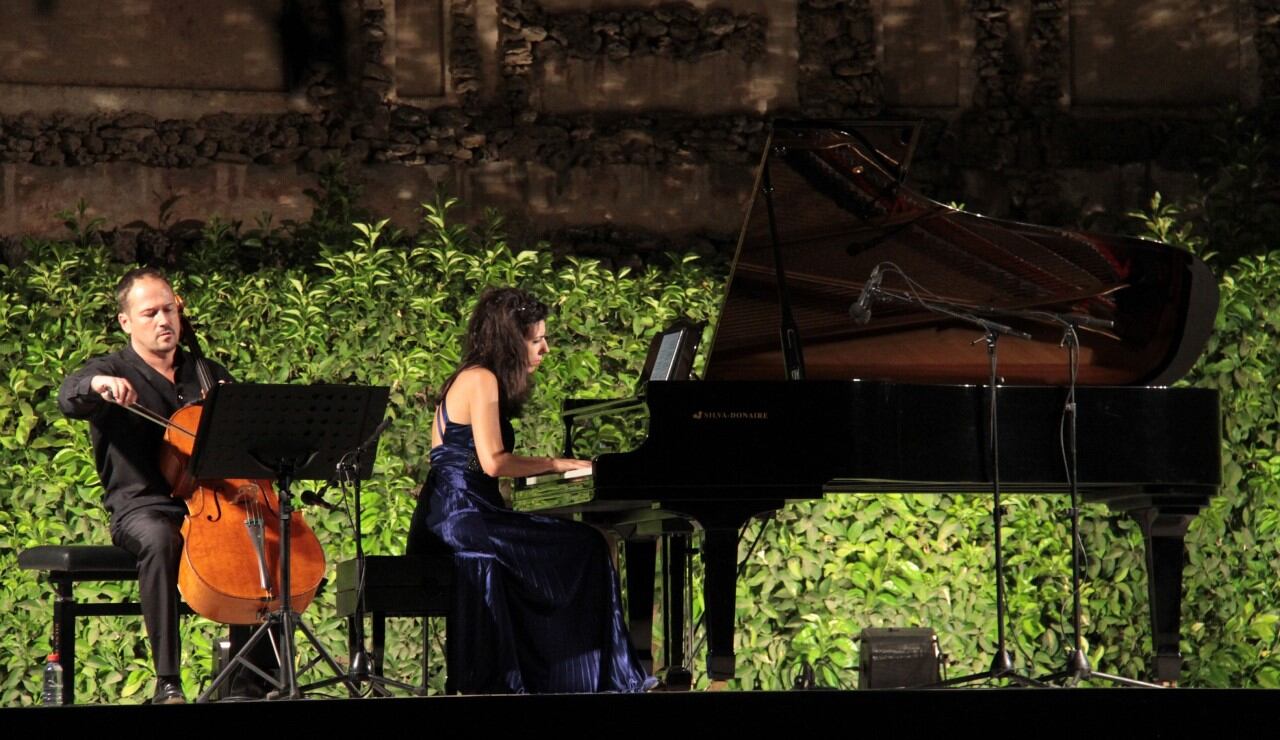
{"x": 126, "y": 447}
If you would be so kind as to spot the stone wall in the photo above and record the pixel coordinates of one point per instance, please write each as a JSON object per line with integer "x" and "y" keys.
{"x": 599, "y": 121}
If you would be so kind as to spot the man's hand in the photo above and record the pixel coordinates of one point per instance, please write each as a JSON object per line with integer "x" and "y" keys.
{"x": 114, "y": 389}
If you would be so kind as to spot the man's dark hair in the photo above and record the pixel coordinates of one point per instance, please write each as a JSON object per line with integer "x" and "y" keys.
{"x": 126, "y": 284}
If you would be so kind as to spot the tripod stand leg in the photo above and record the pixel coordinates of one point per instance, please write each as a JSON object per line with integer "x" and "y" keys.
{"x": 1125, "y": 681}
{"x": 360, "y": 672}
{"x": 339, "y": 676}
{"x": 288, "y": 658}
{"x": 240, "y": 660}
{"x": 311, "y": 637}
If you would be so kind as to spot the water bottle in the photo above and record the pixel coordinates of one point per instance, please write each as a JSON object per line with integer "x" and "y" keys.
{"x": 52, "y": 693}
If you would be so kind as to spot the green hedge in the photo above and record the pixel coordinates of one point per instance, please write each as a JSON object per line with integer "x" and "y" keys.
{"x": 387, "y": 308}
{"x": 361, "y": 313}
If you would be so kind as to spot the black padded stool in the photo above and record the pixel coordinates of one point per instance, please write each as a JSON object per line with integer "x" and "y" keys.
{"x": 63, "y": 565}
{"x": 396, "y": 586}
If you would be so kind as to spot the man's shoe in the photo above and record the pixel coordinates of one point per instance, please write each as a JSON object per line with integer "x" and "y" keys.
{"x": 247, "y": 688}
{"x": 168, "y": 691}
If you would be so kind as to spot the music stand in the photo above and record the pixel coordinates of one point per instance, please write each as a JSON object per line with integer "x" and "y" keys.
{"x": 289, "y": 433}
{"x": 671, "y": 353}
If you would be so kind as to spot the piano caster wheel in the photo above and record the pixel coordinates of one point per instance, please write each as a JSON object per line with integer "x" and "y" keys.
{"x": 678, "y": 679}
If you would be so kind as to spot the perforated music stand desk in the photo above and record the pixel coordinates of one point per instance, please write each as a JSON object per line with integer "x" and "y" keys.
{"x": 252, "y": 430}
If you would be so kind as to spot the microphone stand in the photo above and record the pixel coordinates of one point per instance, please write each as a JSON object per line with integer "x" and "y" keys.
{"x": 1002, "y": 661}
{"x": 362, "y": 664}
{"x": 361, "y": 668}
{"x": 1077, "y": 667}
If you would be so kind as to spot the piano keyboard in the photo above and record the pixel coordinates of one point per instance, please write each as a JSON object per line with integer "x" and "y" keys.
{"x": 552, "y": 478}
{"x": 553, "y": 490}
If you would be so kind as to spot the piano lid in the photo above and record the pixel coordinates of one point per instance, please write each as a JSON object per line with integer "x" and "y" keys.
{"x": 841, "y": 210}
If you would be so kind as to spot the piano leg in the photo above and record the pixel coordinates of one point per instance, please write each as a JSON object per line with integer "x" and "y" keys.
{"x": 641, "y": 556}
{"x": 675, "y": 559}
{"x": 720, "y": 531}
{"x": 1163, "y": 533}
{"x": 720, "y": 560}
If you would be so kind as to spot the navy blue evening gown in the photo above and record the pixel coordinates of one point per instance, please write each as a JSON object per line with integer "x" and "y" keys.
{"x": 537, "y": 607}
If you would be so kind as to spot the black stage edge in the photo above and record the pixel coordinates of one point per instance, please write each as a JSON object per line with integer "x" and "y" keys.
{"x": 1111, "y": 712}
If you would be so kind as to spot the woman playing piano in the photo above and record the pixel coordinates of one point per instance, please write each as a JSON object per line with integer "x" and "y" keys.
{"x": 537, "y": 605}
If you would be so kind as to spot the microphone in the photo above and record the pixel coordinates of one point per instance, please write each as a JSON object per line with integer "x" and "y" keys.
{"x": 860, "y": 311}
{"x": 377, "y": 432}
{"x": 349, "y": 465}
{"x": 1091, "y": 322}
{"x": 312, "y": 498}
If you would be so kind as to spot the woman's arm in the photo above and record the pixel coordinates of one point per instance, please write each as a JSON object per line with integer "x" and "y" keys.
{"x": 475, "y": 395}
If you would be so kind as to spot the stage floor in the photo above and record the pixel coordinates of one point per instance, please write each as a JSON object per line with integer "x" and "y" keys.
{"x": 890, "y": 713}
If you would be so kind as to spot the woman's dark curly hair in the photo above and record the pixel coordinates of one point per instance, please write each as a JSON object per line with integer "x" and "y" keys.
{"x": 496, "y": 340}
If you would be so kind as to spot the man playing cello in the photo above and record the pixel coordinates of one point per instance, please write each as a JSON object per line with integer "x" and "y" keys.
{"x": 153, "y": 372}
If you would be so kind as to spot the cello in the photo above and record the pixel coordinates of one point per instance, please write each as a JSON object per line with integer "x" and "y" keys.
{"x": 230, "y": 566}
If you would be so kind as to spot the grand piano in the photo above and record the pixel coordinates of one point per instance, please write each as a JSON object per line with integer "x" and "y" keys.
{"x": 799, "y": 399}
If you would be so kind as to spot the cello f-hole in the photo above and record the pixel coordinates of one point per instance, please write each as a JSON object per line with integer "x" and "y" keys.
{"x": 217, "y": 504}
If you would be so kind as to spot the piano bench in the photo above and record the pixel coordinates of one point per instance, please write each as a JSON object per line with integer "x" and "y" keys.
{"x": 63, "y": 565}
{"x": 397, "y": 586}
